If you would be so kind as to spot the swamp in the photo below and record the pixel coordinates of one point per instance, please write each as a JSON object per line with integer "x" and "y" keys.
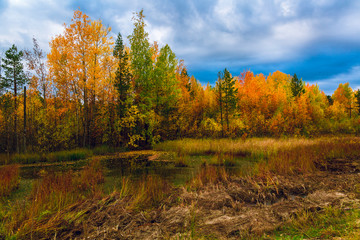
{"x": 259, "y": 188}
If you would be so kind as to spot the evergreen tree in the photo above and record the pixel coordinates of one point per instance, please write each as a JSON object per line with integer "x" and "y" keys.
{"x": 226, "y": 96}
{"x": 330, "y": 100}
{"x": 229, "y": 95}
{"x": 13, "y": 79}
{"x": 297, "y": 86}
{"x": 123, "y": 76}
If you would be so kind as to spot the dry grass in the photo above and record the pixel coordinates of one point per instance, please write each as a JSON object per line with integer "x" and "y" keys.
{"x": 41, "y": 212}
{"x": 235, "y": 147}
{"x": 303, "y": 159}
{"x": 9, "y": 179}
{"x": 279, "y": 156}
{"x": 208, "y": 175}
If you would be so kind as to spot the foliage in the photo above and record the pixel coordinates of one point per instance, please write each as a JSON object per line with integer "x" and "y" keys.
{"x": 297, "y": 86}
{"x": 91, "y": 92}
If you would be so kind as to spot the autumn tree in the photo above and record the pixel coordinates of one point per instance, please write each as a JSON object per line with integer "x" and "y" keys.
{"x": 6, "y": 113}
{"x": 142, "y": 70}
{"x": 166, "y": 89}
{"x": 344, "y": 96}
{"x": 141, "y": 63}
{"x": 35, "y": 60}
{"x": 13, "y": 79}
{"x": 357, "y": 96}
{"x": 76, "y": 64}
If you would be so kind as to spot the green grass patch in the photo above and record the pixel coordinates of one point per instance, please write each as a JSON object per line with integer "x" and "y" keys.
{"x": 60, "y": 156}
{"x": 328, "y": 224}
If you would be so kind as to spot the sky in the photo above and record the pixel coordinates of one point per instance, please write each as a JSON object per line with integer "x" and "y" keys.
{"x": 319, "y": 40}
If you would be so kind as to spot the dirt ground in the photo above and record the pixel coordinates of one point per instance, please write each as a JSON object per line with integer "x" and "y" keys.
{"x": 227, "y": 210}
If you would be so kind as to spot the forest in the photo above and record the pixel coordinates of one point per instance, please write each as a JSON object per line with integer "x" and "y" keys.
{"x": 103, "y": 140}
{"x": 93, "y": 90}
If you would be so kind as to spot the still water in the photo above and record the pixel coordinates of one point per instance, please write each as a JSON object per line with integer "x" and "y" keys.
{"x": 134, "y": 167}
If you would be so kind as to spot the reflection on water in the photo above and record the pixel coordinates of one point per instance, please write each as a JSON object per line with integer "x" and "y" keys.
{"x": 134, "y": 167}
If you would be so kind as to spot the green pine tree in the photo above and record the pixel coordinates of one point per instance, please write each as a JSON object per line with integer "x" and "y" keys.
{"x": 226, "y": 96}
{"x": 297, "y": 86}
{"x": 13, "y": 79}
{"x": 123, "y": 76}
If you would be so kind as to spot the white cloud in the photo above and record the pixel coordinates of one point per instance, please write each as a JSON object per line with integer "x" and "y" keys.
{"x": 27, "y": 19}
{"x": 351, "y": 76}
{"x": 160, "y": 34}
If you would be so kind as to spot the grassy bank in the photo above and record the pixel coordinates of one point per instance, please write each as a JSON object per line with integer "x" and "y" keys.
{"x": 278, "y": 156}
{"x": 59, "y": 156}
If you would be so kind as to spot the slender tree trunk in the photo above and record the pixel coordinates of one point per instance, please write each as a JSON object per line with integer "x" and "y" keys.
{"x": 24, "y": 141}
{"x": 7, "y": 138}
{"x": 111, "y": 123}
{"x": 227, "y": 116}
{"x": 15, "y": 112}
{"x": 44, "y": 91}
{"x": 221, "y": 110}
{"x": 85, "y": 117}
{"x": 77, "y": 125}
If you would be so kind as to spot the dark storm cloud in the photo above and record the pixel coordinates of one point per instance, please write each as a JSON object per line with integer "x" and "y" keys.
{"x": 317, "y": 39}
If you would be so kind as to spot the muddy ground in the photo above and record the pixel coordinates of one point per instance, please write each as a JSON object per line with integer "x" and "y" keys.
{"x": 226, "y": 210}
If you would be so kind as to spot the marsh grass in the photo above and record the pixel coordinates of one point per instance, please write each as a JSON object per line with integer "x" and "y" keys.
{"x": 40, "y": 213}
{"x": 9, "y": 179}
{"x": 182, "y": 161}
{"x": 149, "y": 192}
{"x": 208, "y": 175}
{"x": 279, "y": 156}
{"x": 237, "y": 147}
{"x": 60, "y": 156}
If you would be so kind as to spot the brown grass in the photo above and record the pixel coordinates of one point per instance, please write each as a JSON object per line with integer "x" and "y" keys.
{"x": 208, "y": 175}
{"x": 9, "y": 179}
{"x": 279, "y": 156}
{"x": 41, "y": 213}
{"x": 306, "y": 158}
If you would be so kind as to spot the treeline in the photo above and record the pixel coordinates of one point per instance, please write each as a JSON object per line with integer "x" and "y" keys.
{"x": 91, "y": 90}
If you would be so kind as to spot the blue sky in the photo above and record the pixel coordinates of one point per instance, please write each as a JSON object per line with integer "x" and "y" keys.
{"x": 319, "y": 40}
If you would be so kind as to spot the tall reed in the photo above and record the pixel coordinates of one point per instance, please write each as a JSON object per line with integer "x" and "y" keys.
{"x": 41, "y": 212}
{"x": 9, "y": 179}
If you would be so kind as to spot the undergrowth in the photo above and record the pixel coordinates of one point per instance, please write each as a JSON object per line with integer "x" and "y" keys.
{"x": 327, "y": 224}
{"x": 40, "y": 213}
{"x": 9, "y": 179}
